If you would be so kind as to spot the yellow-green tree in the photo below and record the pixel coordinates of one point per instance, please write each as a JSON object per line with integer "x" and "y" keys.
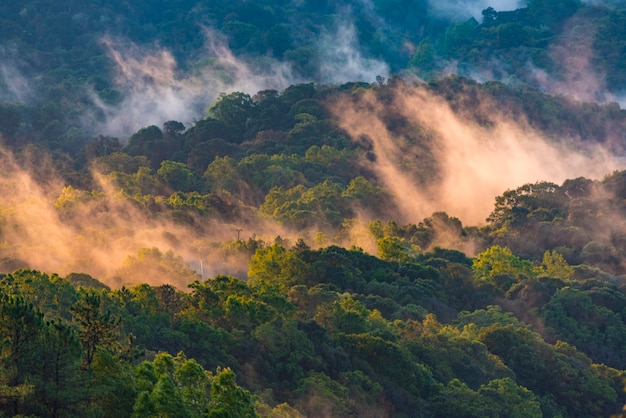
{"x": 497, "y": 260}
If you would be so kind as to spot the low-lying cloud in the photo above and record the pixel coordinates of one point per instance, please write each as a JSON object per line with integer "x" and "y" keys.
{"x": 573, "y": 55}
{"x": 468, "y": 163}
{"x": 155, "y": 89}
{"x": 14, "y": 85}
{"x": 49, "y": 226}
{"x": 341, "y": 59}
{"x": 466, "y": 9}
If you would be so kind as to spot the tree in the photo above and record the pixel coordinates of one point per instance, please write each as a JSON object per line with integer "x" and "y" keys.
{"x": 423, "y": 60}
{"x": 167, "y": 399}
{"x": 554, "y": 265}
{"x": 154, "y": 144}
{"x": 178, "y": 176}
{"x": 173, "y": 128}
{"x": 460, "y": 36}
{"x": 284, "y": 351}
{"x": 222, "y": 174}
{"x": 489, "y": 16}
{"x": 276, "y": 266}
{"x": 551, "y": 12}
{"x": 365, "y": 194}
{"x": 61, "y": 387}
{"x": 21, "y": 328}
{"x": 347, "y": 315}
{"x": 322, "y": 396}
{"x": 498, "y": 261}
{"x": 98, "y": 328}
{"x": 50, "y": 294}
{"x": 120, "y": 162}
{"x": 514, "y": 206}
{"x": 233, "y": 110}
{"x": 143, "y": 141}
{"x": 396, "y": 249}
{"x": 228, "y": 400}
{"x": 171, "y": 387}
{"x": 112, "y": 391}
{"x": 456, "y": 399}
{"x": 510, "y": 400}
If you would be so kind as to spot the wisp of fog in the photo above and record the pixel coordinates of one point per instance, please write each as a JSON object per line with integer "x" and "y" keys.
{"x": 468, "y": 163}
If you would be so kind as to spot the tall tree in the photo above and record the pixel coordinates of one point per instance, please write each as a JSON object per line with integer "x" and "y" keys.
{"x": 98, "y": 328}
{"x": 20, "y": 336}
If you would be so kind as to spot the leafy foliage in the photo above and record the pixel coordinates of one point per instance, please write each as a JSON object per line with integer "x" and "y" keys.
{"x": 533, "y": 325}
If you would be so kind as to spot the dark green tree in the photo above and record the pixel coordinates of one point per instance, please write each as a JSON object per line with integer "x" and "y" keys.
{"x": 234, "y": 110}
{"x": 21, "y": 328}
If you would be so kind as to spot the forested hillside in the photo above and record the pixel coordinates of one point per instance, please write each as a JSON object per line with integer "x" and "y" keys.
{"x": 312, "y": 209}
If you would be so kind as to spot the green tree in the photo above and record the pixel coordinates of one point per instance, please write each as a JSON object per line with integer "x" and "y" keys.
{"x": 322, "y": 396}
{"x": 222, "y": 174}
{"x": 48, "y": 293}
{"x": 171, "y": 387}
{"x": 515, "y": 206}
{"x": 147, "y": 141}
{"x": 233, "y": 109}
{"x": 21, "y": 329}
{"x": 61, "y": 386}
{"x": 284, "y": 353}
{"x": 229, "y": 400}
{"x": 346, "y": 315}
{"x": 496, "y": 263}
{"x": 98, "y": 326}
{"x": 167, "y": 399}
{"x": 276, "y": 266}
{"x": 112, "y": 390}
{"x": 424, "y": 58}
{"x": 554, "y": 265}
{"x": 459, "y": 37}
{"x": 178, "y": 176}
{"x": 510, "y": 400}
{"x": 396, "y": 249}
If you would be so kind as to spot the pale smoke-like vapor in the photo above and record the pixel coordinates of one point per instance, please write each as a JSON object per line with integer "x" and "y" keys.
{"x": 155, "y": 90}
{"x": 573, "y": 54}
{"x": 469, "y": 164}
{"x": 342, "y": 61}
{"x": 47, "y": 226}
{"x": 465, "y": 9}
{"x": 14, "y": 85}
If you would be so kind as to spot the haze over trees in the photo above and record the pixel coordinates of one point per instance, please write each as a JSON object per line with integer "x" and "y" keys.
{"x": 350, "y": 209}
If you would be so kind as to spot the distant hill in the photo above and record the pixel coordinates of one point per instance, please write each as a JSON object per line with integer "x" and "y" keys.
{"x": 79, "y": 69}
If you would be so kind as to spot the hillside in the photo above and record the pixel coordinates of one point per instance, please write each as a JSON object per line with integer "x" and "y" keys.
{"x": 303, "y": 209}
{"x": 74, "y": 70}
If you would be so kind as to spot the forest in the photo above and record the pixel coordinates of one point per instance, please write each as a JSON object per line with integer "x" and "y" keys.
{"x": 292, "y": 209}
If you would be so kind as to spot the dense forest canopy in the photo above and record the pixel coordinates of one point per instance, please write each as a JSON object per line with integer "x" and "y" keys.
{"x": 289, "y": 208}
{"x": 74, "y": 70}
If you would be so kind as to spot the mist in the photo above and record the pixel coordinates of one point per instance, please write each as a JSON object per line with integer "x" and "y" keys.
{"x": 467, "y": 164}
{"x": 342, "y": 60}
{"x": 14, "y": 85}
{"x": 48, "y": 226}
{"x": 573, "y": 53}
{"x": 156, "y": 90}
{"x": 466, "y": 9}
